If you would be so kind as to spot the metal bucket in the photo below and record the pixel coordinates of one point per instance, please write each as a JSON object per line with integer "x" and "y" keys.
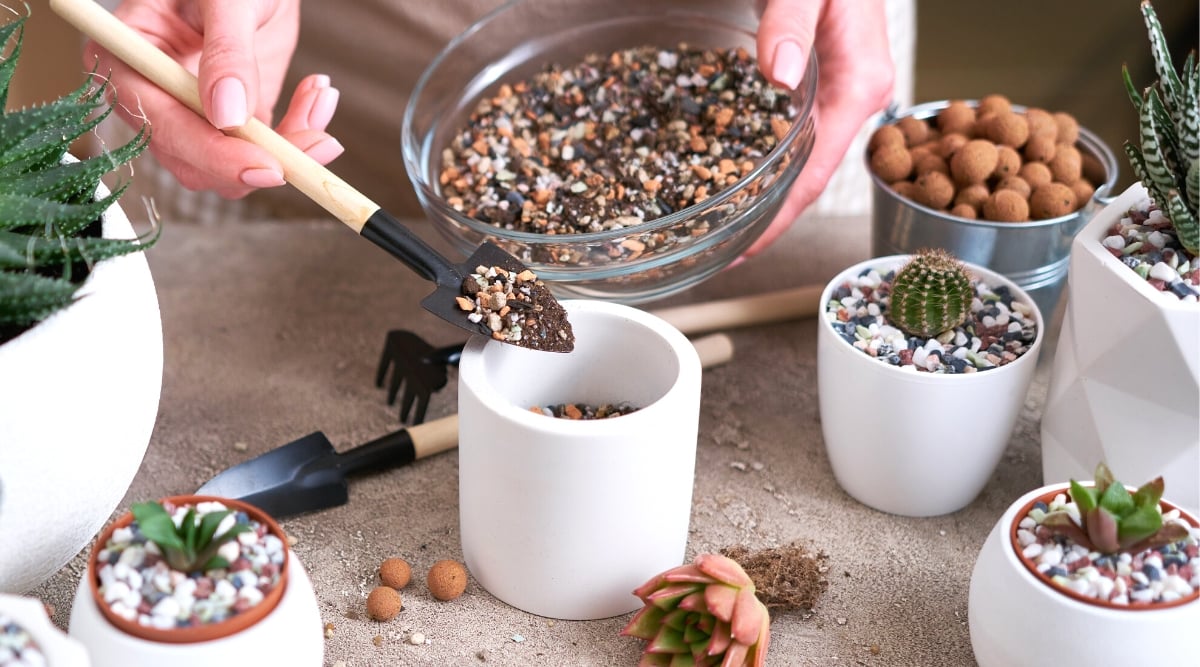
{"x": 1033, "y": 254}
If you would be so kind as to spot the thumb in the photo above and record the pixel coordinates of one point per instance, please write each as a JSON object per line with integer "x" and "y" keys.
{"x": 785, "y": 39}
{"x": 228, "y": 70}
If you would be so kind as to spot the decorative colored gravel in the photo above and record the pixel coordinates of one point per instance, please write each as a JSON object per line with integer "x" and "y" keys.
{"x": 515, "y": 308}
{"x": 1164, "y": 574}
{"x": 585, "y": 410}
{"x": 614, "y": 140}
{"x": 17, "y": 647}
{"x": 998, "y": 330}
{"x": 1146, "y": 242}
{"x": 138, "y": 585}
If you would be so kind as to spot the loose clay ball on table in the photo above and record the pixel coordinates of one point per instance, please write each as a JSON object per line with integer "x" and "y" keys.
{"x": 447, "y": 579}
{"x": 395, "y": 572}
{"x": 986, "y": 161}
{"x": 383, "y": 603}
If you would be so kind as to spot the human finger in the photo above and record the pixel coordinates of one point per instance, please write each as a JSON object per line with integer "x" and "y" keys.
{"x": 785, "y": 37}
{"x": 228, "y": 72}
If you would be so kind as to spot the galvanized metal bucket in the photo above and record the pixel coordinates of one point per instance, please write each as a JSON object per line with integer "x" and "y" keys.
{"x": 1034, "y": 254}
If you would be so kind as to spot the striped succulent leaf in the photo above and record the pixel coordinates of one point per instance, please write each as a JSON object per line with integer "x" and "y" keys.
{"x": 1168, "y": 147}
{"x": 48, "y": 203}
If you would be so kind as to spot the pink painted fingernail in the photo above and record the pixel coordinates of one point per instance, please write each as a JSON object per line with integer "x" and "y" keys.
{"x": 321, "y": 80}
{"x": 229, "y": 103}
{"x": 789, "y": 64}
{"x": 323, "y": 108}
{"x": 326, "y": 150}
{"x": 262, "y": 178}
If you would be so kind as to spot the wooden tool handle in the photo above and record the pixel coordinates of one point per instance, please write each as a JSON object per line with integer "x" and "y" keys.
{"x": 439, "y": 435}
{"x": 779, "y": 306}
{"x": 306, "y": 174}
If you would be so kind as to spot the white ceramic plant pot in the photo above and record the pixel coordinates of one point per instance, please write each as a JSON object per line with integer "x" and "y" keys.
{"x": 1125, "y": 386}
{"x": 55, "y": 647}
{"x": 1015, "y": 619}
{"x": 566, "y": 518}
{"x": 914, "y": 443}
{"x": 80, "y": 396}
{"x": 291, "y": 635}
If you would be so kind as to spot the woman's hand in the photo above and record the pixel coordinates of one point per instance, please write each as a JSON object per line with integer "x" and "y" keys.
{"x": 855, "y": 78}
{"x": 239, "y": 50}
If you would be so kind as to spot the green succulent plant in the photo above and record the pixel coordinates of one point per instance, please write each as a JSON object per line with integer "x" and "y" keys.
{"x": 49, "y": 231}
{"x": 1166, "y": 157}
{"x": 1112, "y": 520}
{"x": 702, "y": 613}
{"x": 931, "y": 293}
{"x": 192, "y": 545}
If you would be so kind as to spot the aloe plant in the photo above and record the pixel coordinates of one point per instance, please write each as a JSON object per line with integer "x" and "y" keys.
{"x": 48, "y": 206}
{"x": 192, "y": 545}
{"x": 931, "y": 293}
{"x": 1112, "y": 520}
{"x": 1167, "y": 156}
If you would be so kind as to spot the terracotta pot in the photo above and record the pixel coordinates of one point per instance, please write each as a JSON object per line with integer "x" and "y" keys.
{"x": 199, "y": 633}
{"x": 1017, "y": 618}
{"x": 1032, "y": 567}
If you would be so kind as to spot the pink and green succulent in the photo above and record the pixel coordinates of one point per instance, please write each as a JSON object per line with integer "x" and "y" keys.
{"x": 704, "y": 613}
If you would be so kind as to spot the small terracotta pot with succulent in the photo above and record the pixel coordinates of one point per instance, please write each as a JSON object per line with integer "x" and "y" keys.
{"x": 188, "y": 569}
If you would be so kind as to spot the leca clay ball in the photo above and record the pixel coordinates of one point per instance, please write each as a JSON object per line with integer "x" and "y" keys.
{"x": 974, "y": 162}
{"x": 915, "y": 131}
{"x": 395, "y": 572}
{"x": 934, "y": 189}
{"x": 447, "y": 579}
{"x": 1041, "y": 124}
{"x": 1083, "y": 190}
{"x": 1040, "y": 149}
{"x": 1005, "y": 206}
{"x": 1008, "y": 128}
{"x": 930, "y": 161}
{"x": 949, "y": 144}
{"x": 1068, "y": 127}
{"x": 1051, "y": 200}
{"x": 964, "y": 211}
{"x": 1067, "y": 165}
{"x": 1035, "y": 174}
{"x": 1008, "y": 161}
{"x": 1016, "y": 184}
{"x": 993, "y": 104}
{"x": 892, "y": 162}
{"x": 383, "y": 603}
{"x": 886, "y": 135}
{"x": 957, "y": 118}
{"x": 972, "y": 195}
{"x": 904, "y": 188}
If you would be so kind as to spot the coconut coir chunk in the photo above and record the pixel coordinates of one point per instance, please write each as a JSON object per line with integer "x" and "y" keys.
{"x": 788, "y": 578}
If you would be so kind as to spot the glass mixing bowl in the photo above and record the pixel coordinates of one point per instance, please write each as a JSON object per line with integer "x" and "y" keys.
{"x": 674, "y": 251}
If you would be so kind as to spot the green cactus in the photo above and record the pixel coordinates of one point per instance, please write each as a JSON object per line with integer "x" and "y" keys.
{"x": 1167, "y": 157}
{"x": 930, "y": 294}
{"x": 1112, "y": 520}
{"x": 48, "y": 207}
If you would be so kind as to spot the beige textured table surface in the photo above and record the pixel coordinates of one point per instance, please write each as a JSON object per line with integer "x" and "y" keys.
{"x": 273, "y": 330}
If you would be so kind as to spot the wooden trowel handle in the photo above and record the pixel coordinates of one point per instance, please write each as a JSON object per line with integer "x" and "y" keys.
{"x": 778, "y": 306}
{"x": 306, "y": 174}
{"x": 433, "y": 437}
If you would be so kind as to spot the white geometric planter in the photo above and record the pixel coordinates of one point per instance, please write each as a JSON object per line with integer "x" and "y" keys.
{"x": 1125, "y": 387}
{"x": 78, "y": 400}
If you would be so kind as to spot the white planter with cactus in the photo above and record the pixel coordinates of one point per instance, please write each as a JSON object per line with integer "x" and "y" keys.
{"x": 81, "y": 361}
{"x": 1125, "y": 387}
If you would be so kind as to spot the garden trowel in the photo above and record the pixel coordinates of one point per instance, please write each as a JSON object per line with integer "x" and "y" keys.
{"x": 333, "y": 194}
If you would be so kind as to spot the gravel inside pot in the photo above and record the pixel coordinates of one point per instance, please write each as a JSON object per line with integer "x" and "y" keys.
{"x": 1145, "y": 241}
{"x": 17, "y": 646}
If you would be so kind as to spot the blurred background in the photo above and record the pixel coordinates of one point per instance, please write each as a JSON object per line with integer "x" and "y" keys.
{"x": 1060, "y": 55}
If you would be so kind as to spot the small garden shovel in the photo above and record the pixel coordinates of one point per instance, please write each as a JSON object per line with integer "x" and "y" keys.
{"x": 333, "y": 194}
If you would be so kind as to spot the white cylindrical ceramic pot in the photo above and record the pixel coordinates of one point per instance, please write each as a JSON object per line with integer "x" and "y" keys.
{"x": 80, "y": 397}
{"x": 915, "y": 443}
{"x": 565, "y": 518}
{"x": 54, "y": 648}
{"x": 1125, "y": 386}
{"x": 1017, "y": 619}
{"x": 291, "y": 634}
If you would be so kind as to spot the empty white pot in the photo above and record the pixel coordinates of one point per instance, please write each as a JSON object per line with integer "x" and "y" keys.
{"x": 565, "y": 518}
